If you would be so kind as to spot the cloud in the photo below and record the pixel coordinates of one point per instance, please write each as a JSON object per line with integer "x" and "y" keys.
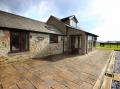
{"x": 41, "y": 11}
{"x": 36, "y": 9}
{"x": 4, "y": 7}
{"x": 45, "y": 8}
{"x": 108, "y": 12}
{"x": 101, "y": 17}
{"x": 15, "y": 6}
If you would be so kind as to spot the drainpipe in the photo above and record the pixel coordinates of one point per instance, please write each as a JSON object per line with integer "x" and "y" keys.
{"x": 63, "y": 44}
{"x": 86, "y": 42}
{"x": 68, "y": 42}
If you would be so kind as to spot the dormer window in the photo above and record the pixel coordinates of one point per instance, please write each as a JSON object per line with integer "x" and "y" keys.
{"x": 71, "y": 20}
{"x": 73, "y": 23}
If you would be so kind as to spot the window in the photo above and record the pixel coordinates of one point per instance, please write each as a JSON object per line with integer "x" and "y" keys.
{"x": 53, "y": 38}
{"x": 19, "y": 41}
{"x": 94, "y": 42}
{"x": 76, "y": 42}
{"x": 90, "y": 41}
{"x": 73, "y": 23}
{"x": 80, "y": 42}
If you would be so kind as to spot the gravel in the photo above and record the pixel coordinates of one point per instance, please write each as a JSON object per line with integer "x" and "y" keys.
{"x": 116, "y": 84}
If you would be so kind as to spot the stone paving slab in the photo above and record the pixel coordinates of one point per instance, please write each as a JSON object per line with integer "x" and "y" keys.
{"x": 65, "y": 72}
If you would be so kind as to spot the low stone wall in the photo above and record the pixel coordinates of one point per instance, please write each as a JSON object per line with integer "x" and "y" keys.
{"x": 4, "y": 42}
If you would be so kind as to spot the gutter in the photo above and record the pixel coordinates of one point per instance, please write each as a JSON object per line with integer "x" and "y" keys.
{"x": 17, "y": 29}
{"x": 81, "y": 30}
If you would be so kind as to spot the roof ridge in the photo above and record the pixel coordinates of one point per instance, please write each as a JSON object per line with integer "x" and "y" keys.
{"x": 68, "y": 16}
{"x": 20, "y": 16}
{"x": 55, "y": 17}
{"x": 81, "y": 30}
{"x": 13, "y": 21}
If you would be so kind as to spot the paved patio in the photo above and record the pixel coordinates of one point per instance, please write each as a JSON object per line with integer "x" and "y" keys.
{"x": 60, "y": 72}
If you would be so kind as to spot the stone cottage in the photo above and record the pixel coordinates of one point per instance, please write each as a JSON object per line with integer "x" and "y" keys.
{"x": 24, "y": 37}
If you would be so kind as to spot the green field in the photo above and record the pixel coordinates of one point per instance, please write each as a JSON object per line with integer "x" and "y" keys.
{"x": 111, "y": 47}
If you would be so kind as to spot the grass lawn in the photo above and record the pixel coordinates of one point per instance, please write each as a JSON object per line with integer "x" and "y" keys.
{"x": 112, "y": 47}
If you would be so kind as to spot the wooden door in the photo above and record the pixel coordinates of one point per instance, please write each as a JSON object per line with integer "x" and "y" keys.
{"x": 74, "y": 44}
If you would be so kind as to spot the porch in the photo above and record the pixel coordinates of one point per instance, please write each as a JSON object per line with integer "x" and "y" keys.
{"x": 80, "y": 42}
{"x": 75, "y": 44}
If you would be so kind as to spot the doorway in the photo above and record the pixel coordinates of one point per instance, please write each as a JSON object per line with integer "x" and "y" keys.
{"x": 75, "y": 40}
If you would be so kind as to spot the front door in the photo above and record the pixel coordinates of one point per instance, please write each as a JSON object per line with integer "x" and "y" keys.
{"x": 75, "y": 44}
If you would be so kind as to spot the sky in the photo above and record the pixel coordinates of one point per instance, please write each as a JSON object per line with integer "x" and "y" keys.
{"x": 101, "y": 17}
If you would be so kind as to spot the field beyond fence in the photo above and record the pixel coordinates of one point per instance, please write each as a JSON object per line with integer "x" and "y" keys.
{"x": 112, "y": 46}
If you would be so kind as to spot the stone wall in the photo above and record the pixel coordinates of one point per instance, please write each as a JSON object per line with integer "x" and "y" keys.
{"x": 39, "y": 47}
{"x": 4, "y": 42}
{"x": 60, "y": 25}
{"x": 5, "y": 54}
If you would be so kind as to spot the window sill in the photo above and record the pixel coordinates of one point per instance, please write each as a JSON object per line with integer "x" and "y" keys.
{"x": 19, "y": 52}
{"x": 54, "y": 43}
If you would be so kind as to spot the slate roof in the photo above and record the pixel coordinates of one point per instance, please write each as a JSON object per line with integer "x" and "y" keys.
{"x": 76, "y": 28}
{"x": 67, "y": 18}
{"x": 81, "y": 30}
{"x": 19, "y": 22}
